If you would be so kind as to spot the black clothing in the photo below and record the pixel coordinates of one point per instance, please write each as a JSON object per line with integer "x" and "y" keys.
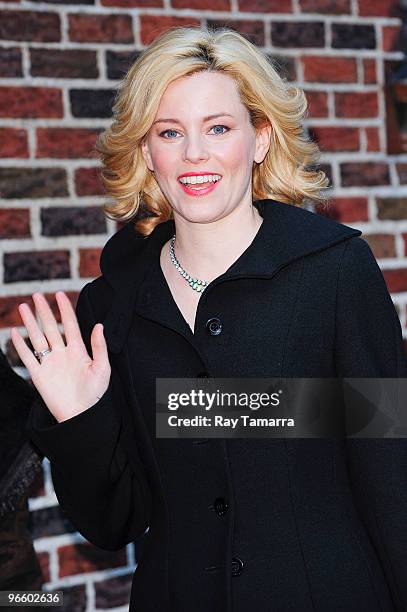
{"x": 19, "y": 464}
{"x": 285, "y": 525}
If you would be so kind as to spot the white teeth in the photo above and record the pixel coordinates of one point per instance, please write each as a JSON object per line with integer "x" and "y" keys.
{"x": 194, "y": 180}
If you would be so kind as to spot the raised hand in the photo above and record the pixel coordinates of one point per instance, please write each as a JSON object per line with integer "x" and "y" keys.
{"x": 68, "y": 379}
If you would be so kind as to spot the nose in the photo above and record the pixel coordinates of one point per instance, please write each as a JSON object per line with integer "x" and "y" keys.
{"x": 195, "y": 149}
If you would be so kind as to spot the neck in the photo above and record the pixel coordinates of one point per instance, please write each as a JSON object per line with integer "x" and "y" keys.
{"x": 206, "y": 250}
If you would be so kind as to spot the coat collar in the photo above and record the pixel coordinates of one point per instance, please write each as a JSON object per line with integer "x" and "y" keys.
{"x": 287, "y": 233}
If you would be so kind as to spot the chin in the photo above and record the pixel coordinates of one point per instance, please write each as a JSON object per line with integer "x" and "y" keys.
{"x": 203, "y": 215}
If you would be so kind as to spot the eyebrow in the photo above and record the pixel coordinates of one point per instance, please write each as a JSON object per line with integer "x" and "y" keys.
{"x": 204, "y": 119}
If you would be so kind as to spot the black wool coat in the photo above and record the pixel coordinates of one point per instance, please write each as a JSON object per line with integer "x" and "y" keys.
{"x": 234, "y": 524}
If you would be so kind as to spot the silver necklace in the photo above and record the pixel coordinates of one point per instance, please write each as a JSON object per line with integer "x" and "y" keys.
{"x": 194, "y": 283}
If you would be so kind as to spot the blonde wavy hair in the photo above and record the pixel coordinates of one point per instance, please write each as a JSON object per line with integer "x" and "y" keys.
{"x": 287, "y": 172}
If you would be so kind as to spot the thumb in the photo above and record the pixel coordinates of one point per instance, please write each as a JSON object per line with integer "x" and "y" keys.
{"x": 99, "y": 347}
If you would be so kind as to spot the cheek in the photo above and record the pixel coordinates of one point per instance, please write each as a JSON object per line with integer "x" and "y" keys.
{"x": 236, "y": 156}
{"x": 163, "y": 163}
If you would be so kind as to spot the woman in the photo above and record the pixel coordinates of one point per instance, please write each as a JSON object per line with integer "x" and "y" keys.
{"x": 228, "y": 524}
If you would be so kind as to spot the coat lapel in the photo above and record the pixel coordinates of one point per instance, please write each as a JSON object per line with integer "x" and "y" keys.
{"x": 286, "y": 234}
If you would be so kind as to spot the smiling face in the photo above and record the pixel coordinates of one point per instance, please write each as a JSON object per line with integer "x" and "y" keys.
{"x": 190, "y": 142}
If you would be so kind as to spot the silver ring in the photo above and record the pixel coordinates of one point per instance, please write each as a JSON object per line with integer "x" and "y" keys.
{"x": 40, "y": 354}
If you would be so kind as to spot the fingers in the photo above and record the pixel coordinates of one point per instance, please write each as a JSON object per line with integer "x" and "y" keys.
{"x": 48, "y": 321}
{"x": 68, "y": 317}
{"x": 99, "y": 347}
{"x": 38, "y": 340}
{"x": 26, "y": 355}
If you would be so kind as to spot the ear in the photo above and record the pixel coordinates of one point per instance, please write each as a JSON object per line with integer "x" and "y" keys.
{"x": 145, "y": 150}
{"x": 263, "y": 139}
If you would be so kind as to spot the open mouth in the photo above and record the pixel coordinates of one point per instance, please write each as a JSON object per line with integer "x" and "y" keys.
{"x": 199, "y": 189}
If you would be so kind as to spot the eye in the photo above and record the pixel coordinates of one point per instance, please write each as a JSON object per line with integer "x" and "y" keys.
{"x": 176, "y": 132}
{"x": 223, "y": 126}
{"x": 165, "y": 131}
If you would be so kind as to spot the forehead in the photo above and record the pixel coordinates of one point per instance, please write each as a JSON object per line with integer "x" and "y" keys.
{"x": 201, "y": 94}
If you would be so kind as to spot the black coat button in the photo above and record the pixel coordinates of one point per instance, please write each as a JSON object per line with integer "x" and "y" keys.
{"x": 237, "y": 566}
{"x": 220, "y": 506}
{"x": 214, "y": 326}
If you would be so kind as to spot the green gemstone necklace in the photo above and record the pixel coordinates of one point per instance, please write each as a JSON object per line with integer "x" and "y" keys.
{"x": 194, "y": 283}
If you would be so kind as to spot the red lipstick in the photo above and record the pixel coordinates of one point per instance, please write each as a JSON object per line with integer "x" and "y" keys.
{"x": 196, "y": 190}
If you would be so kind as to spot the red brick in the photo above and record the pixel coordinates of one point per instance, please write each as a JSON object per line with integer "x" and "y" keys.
{"x": 38, "y": 265}
{"x": 49, "y": 521}
{"x": 297, "y": 34}
{"x": 134, "y": 3}
{"x": 10, "y": 62}
{"x": 396, "y": 280}
{"x": 400, "y": 91}
{"x": 100, "y": 28}
{"x": 353, "y": 36}
{"x": 66, "y": 143}
{"x": 382, "y": 245}
{"x": 75, "y": 598}
{"x": 43, "y": 558}
{"x": 332, "y": 138}
{"x": 89, "y": 263}
{"x": 29, "y": 182}
{"x": 356, "y": 104}
{"x": 31, "y": 102}
{"x": 15, "y": 223}
{"x": 392, "y": 38}
{"x": 335, "y": 7}
{"x": 37, "y": 487}
{"x": 251, "y": 29}
{"x": 391, "y": 208}
{"x": 72, "y": 220}
{"x": 13, "y": 142}
{"x": 317, "y": 103}
{"x": 88, "y": 182}
{"x": 63, "y": 63}
{"x": 263, "y": 6}
{"x": 113, "y": 592}
{"x": 404, "y": 236}
{"x": 30, "y": 26}
{"x": 83, "y": 558}
{"x": 347, "y": 209}
{"x": 372, "y": 139}
{"x": 364, "y": 174}
{"x": 369, "y": 71}
{"x": 402, "y": 172}
{"x": 379, "y": 8}
{"x": 10, "y": 316}
{"x": 329, "y": 69}
{"x": 153, "y": 25}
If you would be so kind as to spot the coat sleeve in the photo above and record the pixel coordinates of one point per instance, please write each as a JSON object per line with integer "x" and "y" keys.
{"x": 369, "y": 344}
{"x": 107, "y": 501}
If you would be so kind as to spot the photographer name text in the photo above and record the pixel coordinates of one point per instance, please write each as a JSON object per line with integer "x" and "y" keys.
{"x": 244, "y": 420}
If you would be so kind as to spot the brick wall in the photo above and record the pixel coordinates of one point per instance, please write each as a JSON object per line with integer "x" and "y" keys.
{"x": 90, "y": 578}
{"x": 59, "y": 66}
